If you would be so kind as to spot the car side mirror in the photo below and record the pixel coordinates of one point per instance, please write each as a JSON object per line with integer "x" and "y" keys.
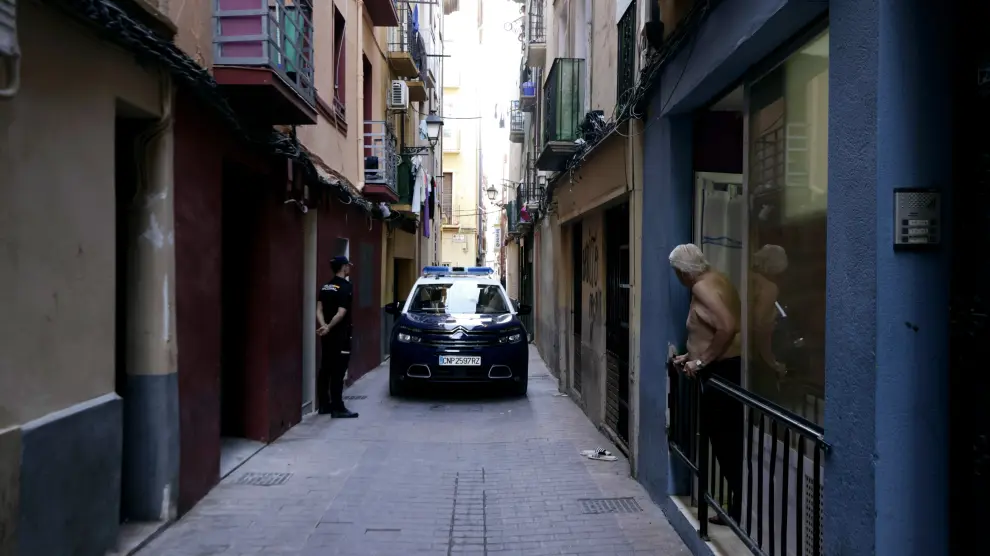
{"x": 524, "y": 309}
{"x": 393, "y": 308}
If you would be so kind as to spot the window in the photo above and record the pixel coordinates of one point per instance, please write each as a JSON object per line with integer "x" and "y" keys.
{"x": 459, "y": 298}
{"x": 339, "y": 63}
{"x": 626, "y": 67}
{"x": 447, "y": 198}
{"x": 787, "y": 185}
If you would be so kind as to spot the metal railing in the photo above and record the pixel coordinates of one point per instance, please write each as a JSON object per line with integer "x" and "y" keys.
{"x": 536, "y": 32}
{"x": 517, "y": 122}
{"x": 381, "y": 160}
{"x": 535, "y": 183}
{"x": 626, "y": 67}
{"x": 406, "y": 37}
{"x": 512, "y": 216}
{"x": 763, "y": 480}
{"x": 276, "y": 34}
{"x": 563, "y": 100}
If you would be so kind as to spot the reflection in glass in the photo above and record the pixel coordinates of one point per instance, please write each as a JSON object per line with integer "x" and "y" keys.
{"x": 788, "y": 194}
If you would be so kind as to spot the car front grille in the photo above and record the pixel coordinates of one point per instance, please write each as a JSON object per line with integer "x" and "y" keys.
{"x": 464, "y": 339}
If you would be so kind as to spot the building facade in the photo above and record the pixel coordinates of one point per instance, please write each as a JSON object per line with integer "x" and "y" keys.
{"x": 573, "y": 218}
{"x": 461, "y": 201}
{"x": 790, "y": 140}
{"x": 230, "y": 149}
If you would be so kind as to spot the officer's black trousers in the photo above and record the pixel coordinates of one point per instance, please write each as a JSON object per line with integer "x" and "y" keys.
{"x": 330, "y": 379}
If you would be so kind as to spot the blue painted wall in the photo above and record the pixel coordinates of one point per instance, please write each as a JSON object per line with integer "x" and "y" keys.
{"x": 667, "y": 200}
{"x": 886, "y": 385}
{"x": 735, "y": 36}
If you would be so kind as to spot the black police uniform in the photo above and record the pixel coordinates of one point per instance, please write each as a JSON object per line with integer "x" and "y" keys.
{"x": 336, "y": 345}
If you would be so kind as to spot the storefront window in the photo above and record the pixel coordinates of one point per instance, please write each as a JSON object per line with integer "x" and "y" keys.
{"x": 787, "y": 186}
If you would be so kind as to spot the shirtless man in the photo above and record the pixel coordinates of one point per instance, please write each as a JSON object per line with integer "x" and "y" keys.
{"x": 713, "y": 349}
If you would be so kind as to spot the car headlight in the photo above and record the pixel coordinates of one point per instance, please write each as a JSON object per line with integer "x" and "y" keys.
{"x": 511, "y": 339}
{"x": 408, "y": 338}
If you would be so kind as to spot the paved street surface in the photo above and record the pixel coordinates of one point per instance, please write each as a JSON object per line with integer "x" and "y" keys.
{"x": 452, "y": 475}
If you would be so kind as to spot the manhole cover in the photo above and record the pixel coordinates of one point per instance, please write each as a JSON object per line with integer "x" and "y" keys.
{"x": 355, "y": 397}
{"x": 263, "y": 479}
{"x": 610, "y": 505}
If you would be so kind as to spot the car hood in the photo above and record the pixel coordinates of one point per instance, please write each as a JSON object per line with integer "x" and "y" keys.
{"x": 429, "y": 321}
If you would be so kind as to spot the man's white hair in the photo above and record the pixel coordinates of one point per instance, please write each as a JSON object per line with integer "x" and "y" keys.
{"x": 689, "y": 259}
{"x": 770, "y": 260}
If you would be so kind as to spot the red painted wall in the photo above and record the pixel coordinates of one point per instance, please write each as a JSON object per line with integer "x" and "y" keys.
{"x": 197, "y": 204}
{"x": 273, "y": 343}
{"x": 337, "y": 220}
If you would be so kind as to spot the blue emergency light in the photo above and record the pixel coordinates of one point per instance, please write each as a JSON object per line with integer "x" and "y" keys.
{"x": 435, "y": 270}
{"x": 457, "y": 270}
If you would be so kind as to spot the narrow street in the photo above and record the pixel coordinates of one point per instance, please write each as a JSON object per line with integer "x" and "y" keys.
{"x": 431, "y": 476}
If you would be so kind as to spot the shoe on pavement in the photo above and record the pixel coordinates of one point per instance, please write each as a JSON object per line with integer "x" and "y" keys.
{"x": 344, "y": 414}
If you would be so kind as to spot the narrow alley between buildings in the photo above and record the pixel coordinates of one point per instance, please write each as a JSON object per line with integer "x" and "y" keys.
{"x": 428, "y": 475}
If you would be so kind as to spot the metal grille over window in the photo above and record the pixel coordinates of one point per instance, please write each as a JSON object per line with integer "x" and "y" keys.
{"x": 447, "y": 197}
{"x": 626, "y": 77}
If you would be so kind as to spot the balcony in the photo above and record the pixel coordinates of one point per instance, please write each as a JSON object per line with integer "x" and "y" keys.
{"x": 382, "y": 13}
{"x": 517, "y": 123}
{"x": 511, "y": 218}
{"x": 563, "y": 103}
{"x": 529, "y": 79}
{"x": 381, "y": 162}
{"x": 405, "y": 46}
{"x": 419, "y": 84}
{"x": 263, "y": 59}
{"x": 536, "y": 34}
{"x": 535, "y": 185}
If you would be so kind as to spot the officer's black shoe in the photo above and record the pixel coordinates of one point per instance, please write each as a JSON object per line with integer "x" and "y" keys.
{"x": 343, "y": 414}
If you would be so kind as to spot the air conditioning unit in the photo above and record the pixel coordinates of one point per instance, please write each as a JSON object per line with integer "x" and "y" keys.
{"x": 398, "y": 96}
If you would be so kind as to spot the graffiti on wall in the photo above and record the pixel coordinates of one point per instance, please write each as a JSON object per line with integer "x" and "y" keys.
{"x": 590, "y": 271}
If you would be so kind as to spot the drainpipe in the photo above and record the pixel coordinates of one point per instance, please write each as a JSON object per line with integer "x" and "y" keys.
{"x": 359, "y": 136}
{"x": 589, "y": 25}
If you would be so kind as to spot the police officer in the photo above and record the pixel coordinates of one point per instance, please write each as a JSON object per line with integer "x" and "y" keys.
{"x": 335, "y": 332}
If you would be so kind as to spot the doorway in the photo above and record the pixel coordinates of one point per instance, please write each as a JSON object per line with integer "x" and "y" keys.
{"x": 577, "y": 234}
{"x": 126, "y": 135}
{"x": 617, "y": 288}
{"x": 240, "y": 238}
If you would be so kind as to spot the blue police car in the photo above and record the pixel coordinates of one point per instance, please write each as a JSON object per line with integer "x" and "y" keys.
{"x": 458, "y": 326}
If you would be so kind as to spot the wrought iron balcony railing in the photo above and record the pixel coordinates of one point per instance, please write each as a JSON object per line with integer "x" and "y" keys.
{"x": 381, "y": 159}
{"x": 535, "y": 28}
{"x": 274, "y": 34}
{"x": 626, "y": 67}
{"x": 563, "y": 100}
{"x": 406, "y": 48}
{"x": 517, "y": 123}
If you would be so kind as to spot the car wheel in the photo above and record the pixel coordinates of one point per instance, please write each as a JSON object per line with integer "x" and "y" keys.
{"x": 395, "y": 387}
{"x": 520, "y": 388}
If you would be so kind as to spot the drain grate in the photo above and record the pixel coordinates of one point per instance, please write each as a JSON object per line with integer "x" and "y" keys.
{"x": 263, "y": 479}
{"x": 610, "y": 505}
{"x": 355, "y": 397}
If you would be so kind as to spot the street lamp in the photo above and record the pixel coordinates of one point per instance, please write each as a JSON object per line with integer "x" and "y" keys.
{"x": 492, "y": 192}
{"x": 434, "y": 125}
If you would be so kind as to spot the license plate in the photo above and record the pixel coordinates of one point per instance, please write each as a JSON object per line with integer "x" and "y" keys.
{"x": 459, "y": 361}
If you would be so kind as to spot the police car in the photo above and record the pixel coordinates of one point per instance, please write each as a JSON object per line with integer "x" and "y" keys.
{"x": 458, "y": 326}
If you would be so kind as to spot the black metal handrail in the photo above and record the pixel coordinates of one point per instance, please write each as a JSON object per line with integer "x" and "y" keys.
{"x": 778, "y": 516}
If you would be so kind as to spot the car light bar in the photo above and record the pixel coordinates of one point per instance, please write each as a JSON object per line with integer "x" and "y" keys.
{"x": 457, "y": 271}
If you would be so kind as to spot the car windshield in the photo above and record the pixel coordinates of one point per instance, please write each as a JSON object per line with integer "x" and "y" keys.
{"x": 458, "y": 298}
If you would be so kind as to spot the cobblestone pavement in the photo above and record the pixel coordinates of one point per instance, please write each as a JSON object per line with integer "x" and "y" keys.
{"x": 445, "y": 476}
